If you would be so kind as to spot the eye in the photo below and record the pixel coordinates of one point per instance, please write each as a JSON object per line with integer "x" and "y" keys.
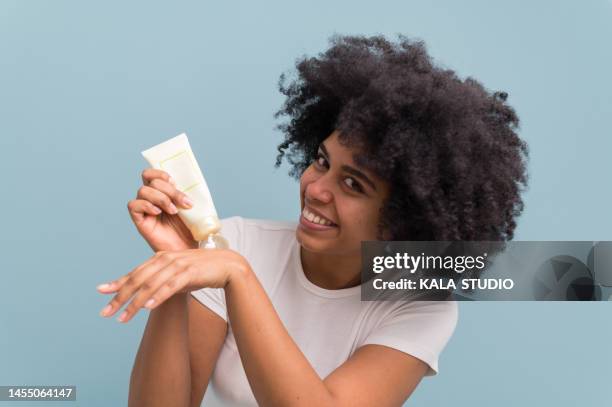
{"x": 321, "y": 161}
{"x": 351, "y": 183}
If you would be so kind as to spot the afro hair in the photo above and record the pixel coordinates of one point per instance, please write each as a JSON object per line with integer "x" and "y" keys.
{"x": 448, "y": 147}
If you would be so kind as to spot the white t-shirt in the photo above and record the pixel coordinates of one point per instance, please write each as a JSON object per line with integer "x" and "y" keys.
{"x": 327, "y": 325}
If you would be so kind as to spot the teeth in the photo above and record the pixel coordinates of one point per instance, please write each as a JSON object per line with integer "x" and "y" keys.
{"x": 310, "y": 217}
{"x": 315, "y": 219}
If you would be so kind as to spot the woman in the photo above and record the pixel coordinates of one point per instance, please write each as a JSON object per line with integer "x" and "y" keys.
{"x": 387, "y": 147}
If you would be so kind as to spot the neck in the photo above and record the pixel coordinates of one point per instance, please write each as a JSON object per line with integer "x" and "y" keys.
{"x": 332, "y": 272}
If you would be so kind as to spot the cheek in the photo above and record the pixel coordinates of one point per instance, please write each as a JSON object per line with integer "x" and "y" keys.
{"x": 351, "y": 214}
{"x": 360, "y": 221}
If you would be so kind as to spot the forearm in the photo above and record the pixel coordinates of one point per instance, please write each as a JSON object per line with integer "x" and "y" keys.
{"x": 277, "y": 370}
{"x": 161, "y": 373}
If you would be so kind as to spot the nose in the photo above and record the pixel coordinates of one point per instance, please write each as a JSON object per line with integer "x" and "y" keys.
{"x": 318, "y": 190}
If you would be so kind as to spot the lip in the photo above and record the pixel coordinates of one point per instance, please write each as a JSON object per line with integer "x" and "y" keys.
{"x": 319, "y": 214}
{"x": 314, "y": 226}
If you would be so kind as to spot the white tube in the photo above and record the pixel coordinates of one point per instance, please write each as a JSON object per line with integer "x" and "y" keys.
{"x": 175, "y": 157}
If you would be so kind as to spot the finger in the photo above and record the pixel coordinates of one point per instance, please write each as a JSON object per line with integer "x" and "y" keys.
{"x": 113, "y": 286}
{"x": 178, "y": 198}
{"x": 150, "y": 174}
{"x": 157, "y": 198}
{"x": 172, "y": 286}
{"x": 107, "y": 288}
{"x": 165, "y": 279}
{"x": 126, "y": 285}
{"x": 176, "y": 284}
{"x": 137, "y": 209}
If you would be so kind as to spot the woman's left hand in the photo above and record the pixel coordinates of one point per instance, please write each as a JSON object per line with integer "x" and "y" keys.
{"x": 168, "y": 273}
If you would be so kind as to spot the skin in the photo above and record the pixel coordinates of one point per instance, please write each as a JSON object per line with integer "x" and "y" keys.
{"x": 277, "y": 370}
{"x": 332, "y": 259}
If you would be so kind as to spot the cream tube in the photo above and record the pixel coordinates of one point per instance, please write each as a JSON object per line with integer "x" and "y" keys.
{"x": 175, "y": 157}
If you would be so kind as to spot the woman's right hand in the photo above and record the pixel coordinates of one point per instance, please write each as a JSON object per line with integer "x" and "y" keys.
{"x": 155, "y": 214}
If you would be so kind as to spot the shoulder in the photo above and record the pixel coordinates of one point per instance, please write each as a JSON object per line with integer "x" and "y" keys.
{"x": 241, "y": 223}
{"x": 243, "y": 232}
{"x": 419, "y": 328}
{"x": 439, "y": 316}
{"x": 269, "y": 225}
{"x": 266, "y": 244}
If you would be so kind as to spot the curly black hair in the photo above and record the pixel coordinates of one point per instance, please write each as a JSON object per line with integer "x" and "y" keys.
{"x": 448, "y": 147}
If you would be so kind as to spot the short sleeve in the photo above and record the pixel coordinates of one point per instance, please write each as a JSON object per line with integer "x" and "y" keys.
{"x": 419, "y": 328}
{"x": 214, "y": 298}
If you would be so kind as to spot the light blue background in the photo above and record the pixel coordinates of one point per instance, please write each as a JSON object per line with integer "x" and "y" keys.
{"x": 85, "y": 86}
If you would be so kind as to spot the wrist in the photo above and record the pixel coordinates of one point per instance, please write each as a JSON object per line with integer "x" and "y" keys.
{"x": 175, "y": 247}
{"x": 238, "y": 273}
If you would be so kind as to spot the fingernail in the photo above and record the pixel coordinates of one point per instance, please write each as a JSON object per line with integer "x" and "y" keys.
{"x": 122, "y": 316}
{"x": 103, "y": 286}
{"x": 157, "y": 210}
{"x": 150, "y": 303}
{"x": 173, "y": 209}
{"x": 188, "y": 202}
{"x": 106, "y": 310}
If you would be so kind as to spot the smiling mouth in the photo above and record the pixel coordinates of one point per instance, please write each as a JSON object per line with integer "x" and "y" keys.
{"x": 307, "y": 225}
{"x": 316, "y": 220}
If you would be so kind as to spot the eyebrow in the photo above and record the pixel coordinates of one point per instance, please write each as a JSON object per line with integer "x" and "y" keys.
{"x": 350, "y": 169}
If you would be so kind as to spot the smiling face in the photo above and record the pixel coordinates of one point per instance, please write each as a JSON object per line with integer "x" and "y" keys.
{"x": 340, "y": 202}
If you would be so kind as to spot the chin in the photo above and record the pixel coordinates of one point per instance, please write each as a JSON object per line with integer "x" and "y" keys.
{"x": 326, "y": 246}
{"x": 310, "y": 243}
{"x": 303, "y": 240}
